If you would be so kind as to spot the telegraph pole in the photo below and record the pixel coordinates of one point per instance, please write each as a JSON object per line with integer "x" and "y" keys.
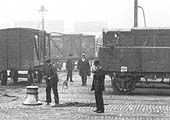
{"x": 143, "y": 14}
{"x": 136, "y": 13}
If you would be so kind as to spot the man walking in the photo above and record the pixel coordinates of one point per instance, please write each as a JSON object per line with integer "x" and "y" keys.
{"x": 98, "y": 86}
{"x": 84, "y": 69}
{"x": 69, "y": 67}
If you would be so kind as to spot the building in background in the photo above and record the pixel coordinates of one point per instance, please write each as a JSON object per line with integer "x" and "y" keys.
{"x": 93, "y": 27}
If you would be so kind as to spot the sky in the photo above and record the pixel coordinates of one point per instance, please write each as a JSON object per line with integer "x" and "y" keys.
{"x": 117, "y": 13}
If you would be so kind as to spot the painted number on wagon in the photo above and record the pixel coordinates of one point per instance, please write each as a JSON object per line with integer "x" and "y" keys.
{"x": 123, "y": 69}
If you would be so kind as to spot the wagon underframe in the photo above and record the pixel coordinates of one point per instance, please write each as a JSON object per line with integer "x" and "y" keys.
{"x": 125, "y": 82}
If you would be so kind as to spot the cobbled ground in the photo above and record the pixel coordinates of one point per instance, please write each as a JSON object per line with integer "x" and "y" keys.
{"x": 78, "y": 103}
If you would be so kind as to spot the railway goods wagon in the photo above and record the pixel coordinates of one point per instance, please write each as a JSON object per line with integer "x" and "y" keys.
{"x": 64, "y": 44}
{"x": 127, "y": 64}
{"x": 21, "y": 48}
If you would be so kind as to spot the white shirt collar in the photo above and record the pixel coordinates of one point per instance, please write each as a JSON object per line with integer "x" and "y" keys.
{"x": 83, "y": 59}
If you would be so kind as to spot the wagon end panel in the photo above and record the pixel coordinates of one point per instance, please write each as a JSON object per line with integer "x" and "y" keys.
{"x": 2, "y": 51}
{"x": 12, "y": 48}
{"x": 26, "y": 48}
{"x": 116, "y": 59}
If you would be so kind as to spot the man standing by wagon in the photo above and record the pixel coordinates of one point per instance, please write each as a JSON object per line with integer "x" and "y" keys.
{"x": 51, "y": 78}
{"x": 98, "y": 86}
{"x": 84, "y": 69}
{"x": 47, "y": 80}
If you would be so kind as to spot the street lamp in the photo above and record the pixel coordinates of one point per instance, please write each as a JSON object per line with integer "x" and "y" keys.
{"x": 43, "y": 39}
{"x": 42, "y": 10}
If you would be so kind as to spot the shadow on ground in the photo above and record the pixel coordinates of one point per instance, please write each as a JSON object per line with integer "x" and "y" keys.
{"x": 20, "y": 83}
{"x": 77, "y": 104}
{"x": 142, "y": 92}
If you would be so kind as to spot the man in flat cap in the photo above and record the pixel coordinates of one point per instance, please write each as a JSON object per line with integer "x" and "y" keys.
{"x": 98, "y": 86}
{"x": 84, "y": 69}
{"x": 69, "y": 67}
{"x": 51, "y": 78}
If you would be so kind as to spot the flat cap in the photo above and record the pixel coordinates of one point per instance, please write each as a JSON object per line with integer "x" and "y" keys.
{"x": 70, "y": 54}
{"x": 47, "y": 61}
{"x": 83, "y": 54}
{"x": 97, "y": 62}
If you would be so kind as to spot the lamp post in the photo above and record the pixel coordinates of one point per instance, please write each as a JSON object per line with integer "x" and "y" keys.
{"x": 42, "y": 11}
{"x": 42, "y": 41}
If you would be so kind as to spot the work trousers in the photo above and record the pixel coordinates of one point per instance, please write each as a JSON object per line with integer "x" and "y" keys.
{"x": 99, "y": 100}
{"x": 69, "y": 75}
{"x": 4, "y": 77}
{"x": 84, "y": 79}
{"x": 55, "y": 92}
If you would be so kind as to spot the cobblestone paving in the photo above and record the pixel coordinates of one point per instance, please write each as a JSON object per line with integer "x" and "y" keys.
{"x": 77, "y": 103}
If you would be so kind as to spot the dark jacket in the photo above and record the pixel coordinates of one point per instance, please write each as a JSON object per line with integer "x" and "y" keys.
{"x": 83, "y": 67}
{"x": 46, "y": 70}
{"x": 98, "y": 80}
{"x": 53, "y": 75}
{"x": 69, "y": 64}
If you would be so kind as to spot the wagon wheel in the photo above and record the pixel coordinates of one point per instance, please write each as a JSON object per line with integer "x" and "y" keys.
{"x": 124, "y": 86}
{"x": 4, "y": 77}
